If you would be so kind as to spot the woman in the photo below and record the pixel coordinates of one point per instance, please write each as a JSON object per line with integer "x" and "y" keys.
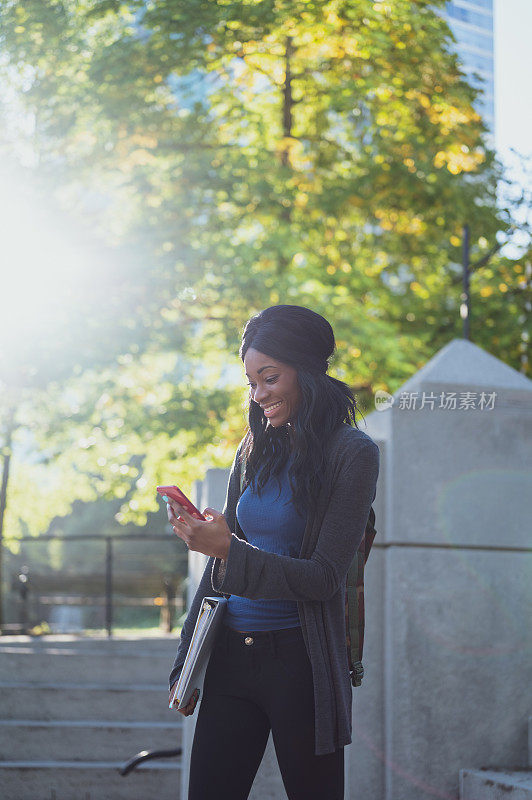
{"x": 280, "y": 662}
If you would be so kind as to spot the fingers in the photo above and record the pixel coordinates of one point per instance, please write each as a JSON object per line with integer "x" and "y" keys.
{"x": 174, "y": 510}
{"x": 188, "y": 710}
{"x": 191, "y": 705}
{"x": 180, "y": 511}
{"x": 211, "y": 512}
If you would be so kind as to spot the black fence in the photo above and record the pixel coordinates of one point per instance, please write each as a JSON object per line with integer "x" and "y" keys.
{"x": 90, "y": 582}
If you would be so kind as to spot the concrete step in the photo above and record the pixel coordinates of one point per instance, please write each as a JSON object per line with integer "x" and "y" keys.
{"x": 496, "y": 784}
{"x": 66, "y": 780}
{"x": 85, "y": 740}
{"x": 123, "y": 644}
{"x": 77, "y": 701}
{"x": 67, "y": 665}
{"x": 68, "y": 705}
{"x": 162, "y": 644}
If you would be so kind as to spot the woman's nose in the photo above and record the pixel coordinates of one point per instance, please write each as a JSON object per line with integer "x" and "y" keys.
{"x": 260, "y": 395}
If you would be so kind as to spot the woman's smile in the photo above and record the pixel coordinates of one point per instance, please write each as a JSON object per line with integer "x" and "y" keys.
{"x": 271, "y": 408}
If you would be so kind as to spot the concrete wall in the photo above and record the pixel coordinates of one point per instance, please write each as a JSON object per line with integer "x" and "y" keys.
{"x": 448, "y": 592}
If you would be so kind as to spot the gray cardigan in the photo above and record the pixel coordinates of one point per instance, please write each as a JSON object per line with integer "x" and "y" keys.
{"x": 316, "y": 580}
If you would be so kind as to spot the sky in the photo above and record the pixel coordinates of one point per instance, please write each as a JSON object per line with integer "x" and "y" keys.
{"x": 513, "y": 71}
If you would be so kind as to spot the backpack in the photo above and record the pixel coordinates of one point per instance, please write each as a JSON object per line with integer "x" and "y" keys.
{"x": 354, "y": 593}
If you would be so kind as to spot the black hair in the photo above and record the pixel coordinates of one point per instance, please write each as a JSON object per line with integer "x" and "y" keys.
{"x": 303, "y": 339}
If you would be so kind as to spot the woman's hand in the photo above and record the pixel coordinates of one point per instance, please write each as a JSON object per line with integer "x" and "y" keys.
{"x": 188, "y": 709}
{"x": 210, "y": 537}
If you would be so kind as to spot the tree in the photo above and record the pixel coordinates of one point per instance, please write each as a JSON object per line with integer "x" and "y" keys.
{"x": 240, "y": 155}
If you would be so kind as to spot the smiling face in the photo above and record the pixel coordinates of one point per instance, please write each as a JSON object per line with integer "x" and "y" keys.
{"x": 272, "y": 384}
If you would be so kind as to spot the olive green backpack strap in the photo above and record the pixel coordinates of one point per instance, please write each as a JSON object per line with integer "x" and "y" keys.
{"x": 354, "y": 603}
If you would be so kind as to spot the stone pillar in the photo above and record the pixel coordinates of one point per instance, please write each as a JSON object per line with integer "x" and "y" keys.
{"x": 448, "y": 634}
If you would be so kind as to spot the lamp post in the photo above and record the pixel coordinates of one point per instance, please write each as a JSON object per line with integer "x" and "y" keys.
{"x": 467, "y": 269}
{"x": 465, "y": 305}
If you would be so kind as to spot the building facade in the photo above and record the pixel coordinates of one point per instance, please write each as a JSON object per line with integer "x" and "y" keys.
{"x": 471, "y": 22}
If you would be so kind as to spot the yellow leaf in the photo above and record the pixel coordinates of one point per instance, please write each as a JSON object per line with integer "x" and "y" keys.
{"x": 419, "y": 290}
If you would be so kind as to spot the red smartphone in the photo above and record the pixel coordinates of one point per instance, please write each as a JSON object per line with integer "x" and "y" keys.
{"x": 177, "y": 495}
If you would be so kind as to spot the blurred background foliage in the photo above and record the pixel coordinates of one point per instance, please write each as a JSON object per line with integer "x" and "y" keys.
{"x": 179, "y": 165}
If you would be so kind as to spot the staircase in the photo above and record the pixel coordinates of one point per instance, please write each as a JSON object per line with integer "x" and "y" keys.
{"x": 72, "y": 711}
{"x": 497, "y": 783}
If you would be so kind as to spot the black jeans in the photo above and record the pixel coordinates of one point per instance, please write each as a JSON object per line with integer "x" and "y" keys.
{"x": 248, "y": 690}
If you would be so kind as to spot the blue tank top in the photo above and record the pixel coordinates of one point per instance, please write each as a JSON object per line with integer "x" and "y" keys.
{"x": 271, "y": 523}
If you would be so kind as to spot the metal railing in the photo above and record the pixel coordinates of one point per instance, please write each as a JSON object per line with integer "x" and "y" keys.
{"x": 148, "y": 755}
{"x": 107, "y": 598}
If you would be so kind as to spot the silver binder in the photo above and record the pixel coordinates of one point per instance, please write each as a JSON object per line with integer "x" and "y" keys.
{"x": 199, "y": 651}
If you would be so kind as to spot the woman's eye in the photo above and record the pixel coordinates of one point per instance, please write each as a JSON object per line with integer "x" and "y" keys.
{"x": 268, "y": 380}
